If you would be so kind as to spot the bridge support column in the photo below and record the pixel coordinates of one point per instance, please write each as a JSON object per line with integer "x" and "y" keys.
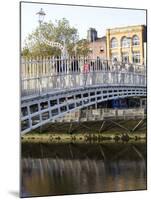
{"x": 96, "y": 105}
{"x": 40, "y": 116}
{"x": 30, "y": 120}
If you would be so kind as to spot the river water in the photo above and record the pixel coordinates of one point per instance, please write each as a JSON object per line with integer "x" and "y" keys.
{"x": 86, "y": 168}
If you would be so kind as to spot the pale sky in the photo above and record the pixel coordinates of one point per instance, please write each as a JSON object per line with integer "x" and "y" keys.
{"x": 81, "y": 18}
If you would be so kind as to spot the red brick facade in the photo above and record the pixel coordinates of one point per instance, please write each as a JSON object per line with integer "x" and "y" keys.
{"x": 98, "y": 48}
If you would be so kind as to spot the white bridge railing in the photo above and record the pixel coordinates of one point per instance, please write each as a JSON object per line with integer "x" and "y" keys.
{"x": 45, "y": 75}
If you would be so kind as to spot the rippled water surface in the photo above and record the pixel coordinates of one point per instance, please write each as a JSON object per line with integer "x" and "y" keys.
{"x": 55, "y": 175}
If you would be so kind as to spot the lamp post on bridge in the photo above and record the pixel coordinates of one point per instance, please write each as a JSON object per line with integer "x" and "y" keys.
{"x": 41, "y": 14}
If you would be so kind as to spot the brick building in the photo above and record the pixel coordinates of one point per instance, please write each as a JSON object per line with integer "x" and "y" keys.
{"x": 97, "y": 45}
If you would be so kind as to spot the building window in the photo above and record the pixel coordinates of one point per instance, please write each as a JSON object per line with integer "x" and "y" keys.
{"x": 136, "y": 57}
{"x": 135, "y": 40}
{"x": 101, "y": 50}
{"x": 125, "y": 57}
{"x": 125, "y": 42}
{"x": 114, "y": 57}
{"x": 114, "y": 43}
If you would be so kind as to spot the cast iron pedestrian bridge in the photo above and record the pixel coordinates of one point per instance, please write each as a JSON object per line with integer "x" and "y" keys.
{"x": 52, "y": 87}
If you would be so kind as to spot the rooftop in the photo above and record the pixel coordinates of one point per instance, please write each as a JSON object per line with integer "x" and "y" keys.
{"x": 126, "y": 28}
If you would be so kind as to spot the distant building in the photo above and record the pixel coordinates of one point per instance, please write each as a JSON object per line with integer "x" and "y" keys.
{"x": 97, "y": 46}
{"x": 127, "y": 44}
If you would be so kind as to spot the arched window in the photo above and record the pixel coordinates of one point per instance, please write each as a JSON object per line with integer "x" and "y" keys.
{"x": 114, "y": 43}
{"x": 125, "y": 42}
{"x": 135, "y": 40}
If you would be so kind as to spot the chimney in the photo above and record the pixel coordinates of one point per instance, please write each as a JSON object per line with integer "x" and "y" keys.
{"x": 91, "y": 35}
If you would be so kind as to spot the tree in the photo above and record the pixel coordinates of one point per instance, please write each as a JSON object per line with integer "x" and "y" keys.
{"x": 83, "y": 47}
{"x": 60, "y": 31}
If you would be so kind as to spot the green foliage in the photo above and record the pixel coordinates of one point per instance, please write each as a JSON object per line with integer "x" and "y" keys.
{"x": 82, "y": 47}
{"x": 61, "y": 32}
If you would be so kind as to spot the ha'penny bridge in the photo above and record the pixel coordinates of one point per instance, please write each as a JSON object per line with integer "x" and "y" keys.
{"x": 53, "y": 87}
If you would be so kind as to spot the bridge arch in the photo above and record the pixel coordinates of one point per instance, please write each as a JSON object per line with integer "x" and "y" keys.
{"x": 40, "y": 111}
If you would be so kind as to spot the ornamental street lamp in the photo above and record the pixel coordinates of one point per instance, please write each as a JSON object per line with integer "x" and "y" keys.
{"x": 41, "y": 14}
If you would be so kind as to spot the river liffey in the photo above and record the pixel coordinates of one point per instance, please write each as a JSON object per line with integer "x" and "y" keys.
{"x": 57, "y": 169}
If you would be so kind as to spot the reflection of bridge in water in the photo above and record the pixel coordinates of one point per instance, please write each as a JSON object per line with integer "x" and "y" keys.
{"x": 85, "y": 176}
{"x": 50, "y": 88}
{"x": 85, "y": 167}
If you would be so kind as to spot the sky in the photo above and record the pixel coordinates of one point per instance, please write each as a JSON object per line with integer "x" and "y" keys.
{"x": 80, "y": 17}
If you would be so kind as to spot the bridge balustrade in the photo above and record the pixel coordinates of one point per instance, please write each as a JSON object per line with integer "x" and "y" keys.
{"x": 45, "y": 75}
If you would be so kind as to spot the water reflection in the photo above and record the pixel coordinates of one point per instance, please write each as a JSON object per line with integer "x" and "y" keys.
{"x": 50, "y": 176}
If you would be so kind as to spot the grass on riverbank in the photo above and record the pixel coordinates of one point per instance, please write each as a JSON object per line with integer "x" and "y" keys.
{"x": 79, "y": 132}
{"x": 81, "y": 138}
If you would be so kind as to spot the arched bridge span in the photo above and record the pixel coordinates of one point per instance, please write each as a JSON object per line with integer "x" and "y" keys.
{"x": 41, "y": 110}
